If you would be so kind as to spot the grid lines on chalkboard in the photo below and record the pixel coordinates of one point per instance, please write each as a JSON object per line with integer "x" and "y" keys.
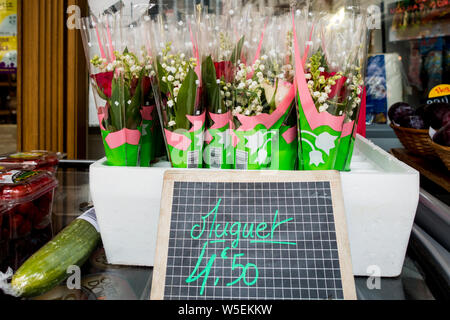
{"x": 307, "y": 270}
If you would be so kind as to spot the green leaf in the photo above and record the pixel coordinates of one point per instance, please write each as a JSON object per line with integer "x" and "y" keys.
{"x": 323, "y": 60}
{"x": 161, "y": 74}
{"x": 237, "y": 51}
{"x": 273, "y": 102}
{"x": 133, "y": 110}
{"x": 100, "y": 93}
{"x": 211, "y": 86}
{"x": 116, "y": 112}
{"x": 186, "y": 100}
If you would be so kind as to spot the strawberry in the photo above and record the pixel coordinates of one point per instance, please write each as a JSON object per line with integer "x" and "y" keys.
{"x": 16, "y": 223}
{"x": 40, "y": 217}
{"x": 26, "y": 209}
{"x": 4, "y": 234}
{"x": 25, "y": 228}
{"x": 44, "y": 202}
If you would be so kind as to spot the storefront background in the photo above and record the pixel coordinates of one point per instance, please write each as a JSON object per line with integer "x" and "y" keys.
{"x": 8, "y": 75}
{"x": 408, "y": 57}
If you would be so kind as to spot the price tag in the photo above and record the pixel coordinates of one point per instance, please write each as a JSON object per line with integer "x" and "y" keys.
{"x": 91, "y": 217}
{"x": 252, "y": 235}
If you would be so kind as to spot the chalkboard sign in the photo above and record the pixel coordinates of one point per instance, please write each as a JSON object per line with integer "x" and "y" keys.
{"x": 252, "y": 236}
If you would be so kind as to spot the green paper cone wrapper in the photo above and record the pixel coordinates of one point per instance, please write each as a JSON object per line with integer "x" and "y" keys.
{"x": 148, "y": 148}
{"x": 259, "y": 140}
{"x": 121, "y": 147}
{"x": 186, "y": 147}
{"x": 219, "y": 150}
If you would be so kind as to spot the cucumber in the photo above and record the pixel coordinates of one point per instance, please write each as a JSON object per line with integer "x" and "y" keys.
{"x": 47, "y": 268}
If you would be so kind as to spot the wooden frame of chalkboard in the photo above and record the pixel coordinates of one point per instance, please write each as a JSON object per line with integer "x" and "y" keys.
{"x": 174, "y": 177}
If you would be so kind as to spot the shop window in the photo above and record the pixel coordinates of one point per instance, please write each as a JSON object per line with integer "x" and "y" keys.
{"x": 8, "y": 75}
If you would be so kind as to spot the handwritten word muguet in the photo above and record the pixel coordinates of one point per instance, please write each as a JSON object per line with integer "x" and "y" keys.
{"x": 260, "y": 232}
{"x": 234, "y": 232}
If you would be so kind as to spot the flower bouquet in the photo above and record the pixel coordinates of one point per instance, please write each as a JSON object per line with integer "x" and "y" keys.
{"x": 151, "y": 132}
{"x": 330, "y": 85}
{"x": 356, "y": 101}
{"x": 221, "y": 52}
{"x": 120, "y": 81}
{"x": 264, "y": 94}
{"x": 178, "y": 90}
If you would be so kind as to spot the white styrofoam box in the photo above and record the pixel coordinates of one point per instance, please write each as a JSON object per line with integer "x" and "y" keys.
{"x": 381, "y": 195}
{"x": 127, "y": 204}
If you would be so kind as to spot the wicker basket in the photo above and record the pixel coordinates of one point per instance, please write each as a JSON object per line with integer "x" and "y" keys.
{"x": 415, "y": 141}
{"x": 443, "y": 153}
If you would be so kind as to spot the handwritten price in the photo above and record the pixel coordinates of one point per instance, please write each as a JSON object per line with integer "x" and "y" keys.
{"x": 207, "y": 270}
{"x": 260, "y": 233}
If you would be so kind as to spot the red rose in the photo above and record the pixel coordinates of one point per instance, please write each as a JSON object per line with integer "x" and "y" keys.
{"x": 104, "y": 82}
{"x": 224, "y": 69}
{"x": 133, "y": 86}
{"x": 146, "y": 85}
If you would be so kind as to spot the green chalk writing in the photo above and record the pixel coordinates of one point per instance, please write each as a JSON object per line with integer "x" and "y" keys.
{"x": 236, "y": 230}
{"x": 276, "y": 224}
{"x": 274, "y": 242}
{"x": 205, "y": 273}
{"x": 233, "y": 233}
{"x": 203, "y": 226}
